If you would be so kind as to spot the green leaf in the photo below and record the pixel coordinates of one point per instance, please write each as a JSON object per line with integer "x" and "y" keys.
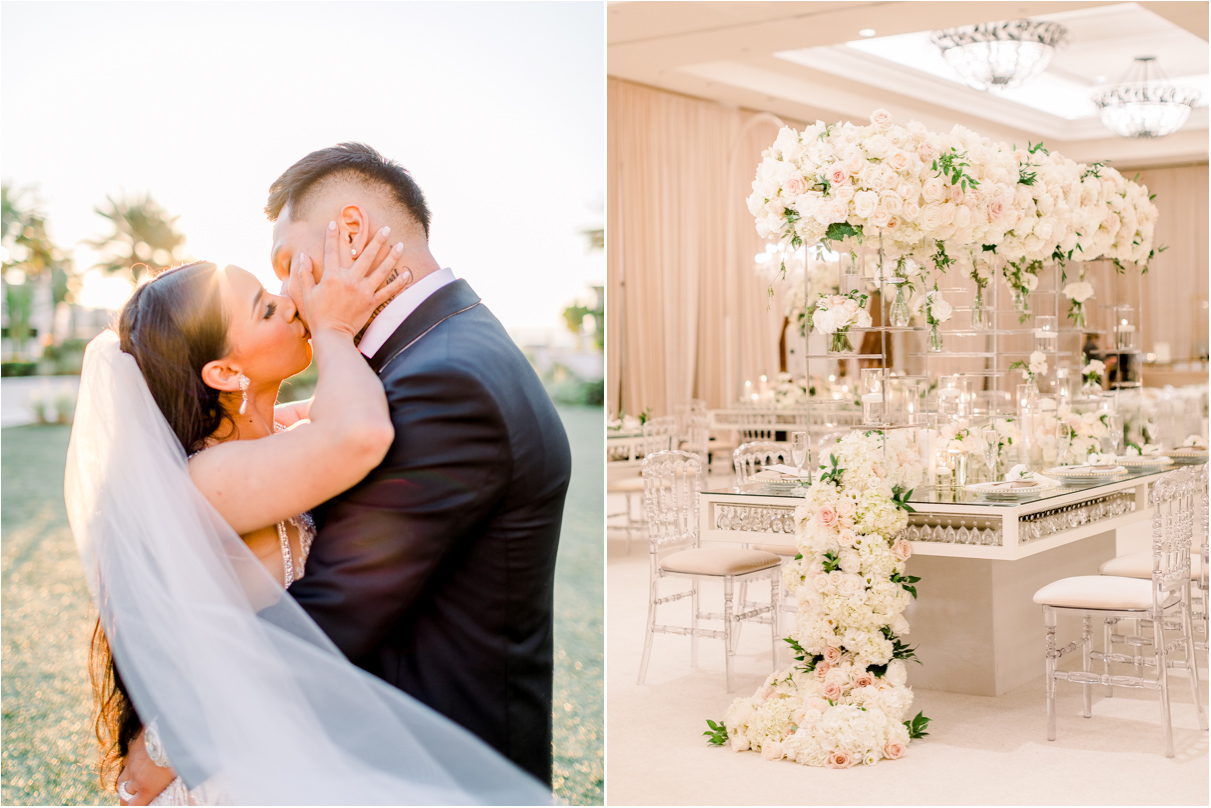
{"x": 717, "y": 734}
{"x": 916, "y": 726}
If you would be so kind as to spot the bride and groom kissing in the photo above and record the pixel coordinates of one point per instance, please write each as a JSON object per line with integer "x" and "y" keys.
{"x": 243, "y": 553}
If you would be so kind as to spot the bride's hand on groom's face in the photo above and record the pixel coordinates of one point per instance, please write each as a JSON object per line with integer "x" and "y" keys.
{"x": 344, "y": 297}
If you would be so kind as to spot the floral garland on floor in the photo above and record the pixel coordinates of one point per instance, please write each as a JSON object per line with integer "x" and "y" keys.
{"x": 847, "y": 701}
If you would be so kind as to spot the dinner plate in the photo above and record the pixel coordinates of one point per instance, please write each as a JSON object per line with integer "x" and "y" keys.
{"x": 1188, "y": 455}
{"x": 1015, "y": 489}
{"x": 1148, "y": 461}
{"x": 1085, "y": 474}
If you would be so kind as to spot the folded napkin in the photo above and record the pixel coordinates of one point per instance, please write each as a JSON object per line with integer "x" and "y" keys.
{"x": 780, "y": 471}
{"x": 1149, "y": 449}
{"x": 1021, "y": 472}
{"x": 630, "y": 423}
{"x": 1195, "y": 441}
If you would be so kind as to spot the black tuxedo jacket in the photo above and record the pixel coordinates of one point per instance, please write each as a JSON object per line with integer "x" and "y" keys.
{"x": 436, "y": 572}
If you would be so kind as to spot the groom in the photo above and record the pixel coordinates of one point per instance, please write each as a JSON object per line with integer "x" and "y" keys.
{"x": 436, "y": 572}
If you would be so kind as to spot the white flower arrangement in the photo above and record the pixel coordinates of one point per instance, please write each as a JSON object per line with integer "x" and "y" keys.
{"x": 1092, "y": 371}
{"x": 937, "y": 310}
{"x": 933, "y": 195}
{"x": 1077, "y": 293}
{"x": 847, "y": 701}
{"x": 1033, "y": 368}
{"x": 834, "y": 315}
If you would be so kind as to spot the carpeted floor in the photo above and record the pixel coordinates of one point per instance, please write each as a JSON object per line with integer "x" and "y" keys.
{"x": 980, "y": 750}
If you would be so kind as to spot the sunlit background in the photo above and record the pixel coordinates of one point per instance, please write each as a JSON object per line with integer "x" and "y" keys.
{"x": 173, "y": 119}
{"x": 497, "y": 109}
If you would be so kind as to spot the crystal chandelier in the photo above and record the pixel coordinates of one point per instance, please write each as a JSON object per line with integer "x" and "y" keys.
{"x": 999, "y": 55}
{"x": 1144, "y": 104}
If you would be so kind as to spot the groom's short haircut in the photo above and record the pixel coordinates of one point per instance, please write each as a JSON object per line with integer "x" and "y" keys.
{"x": 355, "y": 160}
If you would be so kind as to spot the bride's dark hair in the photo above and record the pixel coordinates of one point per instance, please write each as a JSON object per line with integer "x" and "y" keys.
{"x": 172, "y": 326}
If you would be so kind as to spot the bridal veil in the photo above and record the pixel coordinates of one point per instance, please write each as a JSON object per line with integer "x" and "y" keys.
{"x": 251, "y": 700}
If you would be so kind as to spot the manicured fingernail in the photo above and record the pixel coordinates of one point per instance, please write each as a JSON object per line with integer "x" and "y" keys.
{"x": 331, "y": 225}
{"x": 384, "y": 232}
{"x": 399, "y": 247}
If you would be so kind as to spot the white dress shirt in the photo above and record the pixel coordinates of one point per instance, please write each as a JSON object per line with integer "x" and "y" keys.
{"x": 400, "y": 308}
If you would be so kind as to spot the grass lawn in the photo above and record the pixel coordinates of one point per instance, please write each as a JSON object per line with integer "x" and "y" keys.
{"x": 46, "y": 620}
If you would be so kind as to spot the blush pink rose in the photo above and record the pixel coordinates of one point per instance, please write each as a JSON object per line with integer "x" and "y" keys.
{"x": 995, "y": 208}
{"x": 827, "y": 515}
{"x": 822, "y": 670}
{"x": 832, "y": 655}
{"x": 839, "y": 759}
{"x": 894, "y": 750}
{"x": 864, "y": 679}
{"x": 831, "y": 691}
{"x": 898, "y": 160}
{"x": 902, "y": 549}
{"x": 837, "y": 173}
{"x": 794, "y": 186}
{"x": 880, "y": 217}
{"x": 881, "y": 118}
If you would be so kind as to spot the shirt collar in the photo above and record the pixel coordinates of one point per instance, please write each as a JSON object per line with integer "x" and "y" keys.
{"x": 398, "y": 310}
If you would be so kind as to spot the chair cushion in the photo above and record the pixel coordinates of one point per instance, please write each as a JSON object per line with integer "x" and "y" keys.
{"x": 719, "y": 561}
{"x": 1097, "y": 592}
{"x": 1139, "y": 565}
{"x": 627, "y": 485}
{"x": 777, "y": 549}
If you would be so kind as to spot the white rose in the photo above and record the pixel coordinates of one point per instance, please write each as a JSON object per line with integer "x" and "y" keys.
{"x": 739, "y": 743}
{"x": 1030, "y": 281}
{"x": 865, "y": 203}
{"x": 897, "y": 674}
{"x": 940, "y": 309}
{"x": 772, "y": 751}
{"x": 877, "y": 146}
{"x": 880, "y": 217}
{"x": 843, "y": 193}
{"x": 850, "y": 561}
{"x": 933, "y": 189}
{"x": 881, "y": 118}
{"x": 1079, "y": 291}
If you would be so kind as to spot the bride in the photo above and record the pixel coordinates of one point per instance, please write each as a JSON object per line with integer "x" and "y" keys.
{"x": 187, "y": 491}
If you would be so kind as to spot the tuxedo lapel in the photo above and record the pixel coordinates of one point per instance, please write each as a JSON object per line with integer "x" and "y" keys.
{"x": 445, "y": 302}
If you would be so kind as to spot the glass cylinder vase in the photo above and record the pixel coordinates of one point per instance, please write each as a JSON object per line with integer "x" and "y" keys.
{"x": 935, "y": 338}
{"x": 839, "y": 342}
{"x": 899, "y": 315}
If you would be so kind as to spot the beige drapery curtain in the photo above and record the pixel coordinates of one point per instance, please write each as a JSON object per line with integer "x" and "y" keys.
{"x": 1175, "y": 289}
{"x": 686, "y": 315}
{"x": 684, "y": 307}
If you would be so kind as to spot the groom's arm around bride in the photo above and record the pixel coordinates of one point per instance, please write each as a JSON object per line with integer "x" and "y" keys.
{"x": 436, "y": 572}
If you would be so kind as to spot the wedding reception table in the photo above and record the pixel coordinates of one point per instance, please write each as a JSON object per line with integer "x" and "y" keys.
{"x": 980, "y": 561}
{"x": 822, "y": 414}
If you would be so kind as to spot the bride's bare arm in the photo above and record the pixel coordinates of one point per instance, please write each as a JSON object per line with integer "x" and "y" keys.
{"x": 254, "y": 483}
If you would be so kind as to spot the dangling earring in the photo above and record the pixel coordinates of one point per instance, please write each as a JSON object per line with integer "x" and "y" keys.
{"x": 244, "y": 382}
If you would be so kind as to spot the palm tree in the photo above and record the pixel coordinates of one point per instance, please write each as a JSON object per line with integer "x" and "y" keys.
{"x": 144, "y": 236}
{"x": 29, "y": 253}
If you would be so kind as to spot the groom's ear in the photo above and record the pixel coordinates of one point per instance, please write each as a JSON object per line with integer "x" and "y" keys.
{"x": 354, "y": 229}
{"x": 218, "y": 375}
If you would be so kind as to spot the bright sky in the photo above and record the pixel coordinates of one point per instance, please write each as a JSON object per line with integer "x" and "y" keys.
{"x": 497, "y": 109}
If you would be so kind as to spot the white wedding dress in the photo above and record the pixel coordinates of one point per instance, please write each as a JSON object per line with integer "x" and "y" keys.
{"x": 293, "y": 566}
{"x": 251, "y": 702}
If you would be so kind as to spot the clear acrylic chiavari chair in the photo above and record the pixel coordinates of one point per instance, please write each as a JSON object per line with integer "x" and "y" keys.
{"x": 672, "y": 480}
{"x": 1163, "y": 600}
